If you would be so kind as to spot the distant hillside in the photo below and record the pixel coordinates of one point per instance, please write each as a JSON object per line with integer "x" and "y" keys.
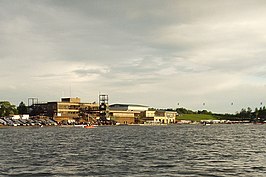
{"x": 196, "y": 117}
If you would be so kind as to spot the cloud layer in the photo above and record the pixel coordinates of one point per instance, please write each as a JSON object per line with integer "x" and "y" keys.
{"x": 159, "y": 53}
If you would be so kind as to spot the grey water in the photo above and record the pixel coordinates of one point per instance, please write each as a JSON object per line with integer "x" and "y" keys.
{"x": 178, "y": 150}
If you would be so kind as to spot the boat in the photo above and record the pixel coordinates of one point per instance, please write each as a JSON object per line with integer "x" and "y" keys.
{"x": 206, "y": 124}
{"x": 89, "y": 126}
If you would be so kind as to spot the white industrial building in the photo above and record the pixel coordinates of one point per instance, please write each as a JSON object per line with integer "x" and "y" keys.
{"x": 128, "y": 107}
{"x": 159, "y": 116}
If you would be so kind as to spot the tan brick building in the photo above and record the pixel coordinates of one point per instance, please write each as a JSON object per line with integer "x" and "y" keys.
{"x": 126, "y": 113}
{"x": 67, "y": 109}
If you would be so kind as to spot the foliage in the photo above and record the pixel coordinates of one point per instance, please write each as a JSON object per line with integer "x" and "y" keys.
{"x": 258, "y": 115}
{"x": 7, "y": 109}
{"x": 204, "y": 112}
{"x": 225, "y": 116}
{"x": 184, "y": 111}
{"x": 22, "y": 108}
{"x": 152, "y": 109}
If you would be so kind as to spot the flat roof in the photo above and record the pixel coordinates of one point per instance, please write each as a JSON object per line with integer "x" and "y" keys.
{"x": 126, "y": 105}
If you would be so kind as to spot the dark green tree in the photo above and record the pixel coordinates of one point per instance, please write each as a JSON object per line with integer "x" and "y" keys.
{"x": 184, "y": 111}
{"x": 7, "y": 109}
{"x": 22, "y": 108}
{"x": 243, "y": 114}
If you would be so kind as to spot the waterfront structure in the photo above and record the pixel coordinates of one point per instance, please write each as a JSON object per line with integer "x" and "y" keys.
{"x": 165, "y": 117}
{"x": 148, "y": 115}
{"x": 124, "y": 117}
{"x": 72, "y": 110}
{"x": 103, "y": 107}
{"x": 126, "y": 113}
{"x": 159, "y": 116}
{"x": 68, "y": 109}
{"x": 128, "y": 107}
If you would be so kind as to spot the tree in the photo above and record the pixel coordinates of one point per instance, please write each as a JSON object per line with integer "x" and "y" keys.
{"x": 183, "y": 111}
{"x": 243, "y": 114}
{"x": 204, "y": 112}
{"x": 22, "y": 108}
{"x": 6, "y": 109}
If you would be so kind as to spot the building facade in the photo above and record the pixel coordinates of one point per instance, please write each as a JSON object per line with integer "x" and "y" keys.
{"x": 126, "y": 113}
{"x": 159, "y": 116}
{"x": 66, "y": 109}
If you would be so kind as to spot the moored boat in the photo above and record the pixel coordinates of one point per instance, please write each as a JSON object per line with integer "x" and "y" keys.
{"x": 89, "y": 126}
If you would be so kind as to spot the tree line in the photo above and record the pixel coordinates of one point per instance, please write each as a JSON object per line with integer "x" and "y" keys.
{"x": 258, "y": 115}
{"x": 8, "y": 109}
{"x": 245, "y": 114}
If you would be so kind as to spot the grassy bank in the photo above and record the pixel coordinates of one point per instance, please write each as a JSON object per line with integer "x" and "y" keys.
{"x": 196, "y": 117}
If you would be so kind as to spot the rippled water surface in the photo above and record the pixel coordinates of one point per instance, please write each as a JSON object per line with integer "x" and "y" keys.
{"x": 181, "y": 150}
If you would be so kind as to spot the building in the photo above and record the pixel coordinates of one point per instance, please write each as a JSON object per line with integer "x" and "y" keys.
{"x": 126, "y": 113}
{"x": 148, "y": 115}
{"x": 128, "y": 107}
{"x": 73, "y": 110}
{"x": 159, "y": 116}
{"x": 67, "y": 109}
{"x": 165, "y": 117}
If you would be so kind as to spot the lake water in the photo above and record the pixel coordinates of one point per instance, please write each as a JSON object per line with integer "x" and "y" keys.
{"x": 178, "y": 150}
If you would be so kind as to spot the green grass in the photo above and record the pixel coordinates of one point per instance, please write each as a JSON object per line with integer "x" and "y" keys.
{"x": 196, "y": 117}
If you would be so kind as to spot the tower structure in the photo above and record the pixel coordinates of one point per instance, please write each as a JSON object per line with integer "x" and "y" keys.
{"x": 31, "y": 104}
{"x": 32, "y": 101}
{"x": 103, "y": 107}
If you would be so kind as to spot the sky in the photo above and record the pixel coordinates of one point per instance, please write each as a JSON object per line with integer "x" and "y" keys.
{"x": 196, "y": 54}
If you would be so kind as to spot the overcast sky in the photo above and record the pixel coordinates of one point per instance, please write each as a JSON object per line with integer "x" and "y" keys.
{"x": 163, "y": 54}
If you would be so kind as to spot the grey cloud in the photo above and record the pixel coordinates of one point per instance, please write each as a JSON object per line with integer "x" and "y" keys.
{"x": 151, "y": 48}
{"x": 84, "y": 72}
{"x": 48, "y": 76}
